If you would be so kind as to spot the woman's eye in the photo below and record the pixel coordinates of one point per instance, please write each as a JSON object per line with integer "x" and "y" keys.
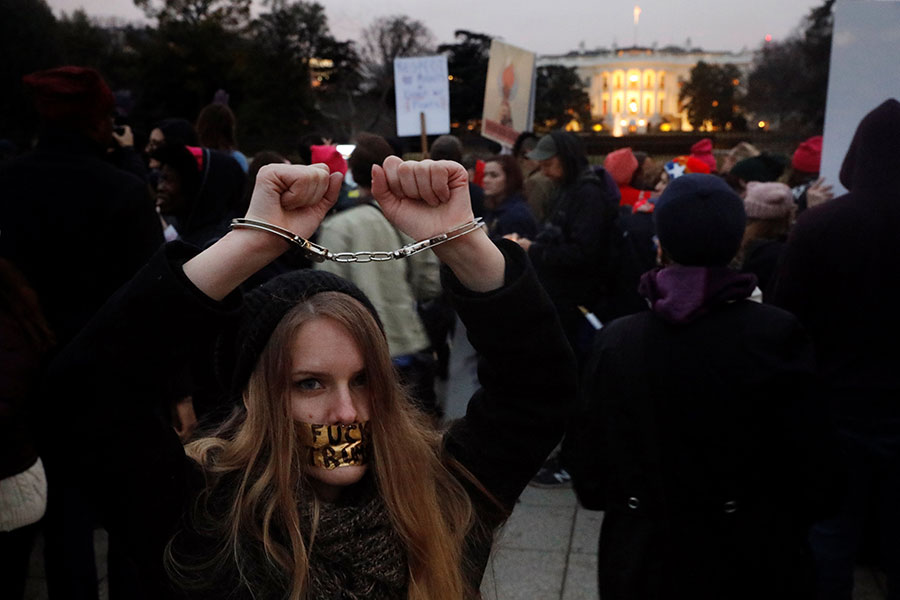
{"x": 308, "y": 385}
{"x": 360, "y": 380}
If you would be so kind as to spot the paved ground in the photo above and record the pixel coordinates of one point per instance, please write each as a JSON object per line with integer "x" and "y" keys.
{"x": 546, "y": 551}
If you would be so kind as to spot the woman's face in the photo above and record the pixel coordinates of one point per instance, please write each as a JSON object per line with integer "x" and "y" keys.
{"x": 329, "y": 387}
{"x": 662, "y": 183}
{"x": 494, "y": 183}
{"x": 169, "y": 192}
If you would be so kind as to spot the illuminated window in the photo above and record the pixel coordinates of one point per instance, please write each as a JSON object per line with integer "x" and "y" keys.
{"x": 648, "y": 105}
{"x": 605, "y": 82}
{"x": 618, "y": 105}
{"x": 633, "y": 80}
{"x": 603, "y": 112}
{"x": 660, "y": 106}
{"x": 617, "y": 81}
{"x": 633, "y": 106}
{"x": 648, "y": 80}
{"x": 662, "y": 79}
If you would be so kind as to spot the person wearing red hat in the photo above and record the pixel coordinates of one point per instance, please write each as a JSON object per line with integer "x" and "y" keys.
{"x": 806, "y": 185}
{"x": 77, "y": 228}
{"x": 622, "y": 164}
{"x": 702, "y": 151}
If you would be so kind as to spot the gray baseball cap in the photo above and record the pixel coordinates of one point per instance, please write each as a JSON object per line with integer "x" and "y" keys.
{"x": 546, "y": 148}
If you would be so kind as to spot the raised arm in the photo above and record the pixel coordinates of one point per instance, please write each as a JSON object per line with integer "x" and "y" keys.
{"x": 426, "y": 198}
{"x": 293, "y": 197}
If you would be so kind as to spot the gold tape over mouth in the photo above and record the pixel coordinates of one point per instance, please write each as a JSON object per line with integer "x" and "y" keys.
{"x": 334, "y": 446}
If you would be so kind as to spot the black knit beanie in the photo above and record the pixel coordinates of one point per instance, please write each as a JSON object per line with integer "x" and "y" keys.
{"x": 765, "y": 167}
{"x": 700, "y": 221}
{"x": 239, "y": 348}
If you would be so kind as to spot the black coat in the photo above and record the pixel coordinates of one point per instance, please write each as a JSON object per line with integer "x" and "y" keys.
{"x": 135, "y": 465}
{"x": 572, "y": 254}
{"x": 706, "y": 450}
{"x": 840, "y": 276}
{"x": 75, "y": 226}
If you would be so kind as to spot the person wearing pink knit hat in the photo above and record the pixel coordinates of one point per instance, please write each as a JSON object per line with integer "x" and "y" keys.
{"x": 770, "y": 211}
{"x": 621, "y": 164}
{"x": 702, "y": 150}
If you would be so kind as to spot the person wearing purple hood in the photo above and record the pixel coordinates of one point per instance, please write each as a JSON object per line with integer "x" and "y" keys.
{"x": 839, "y": 276}
{"x": 696, "y": 431}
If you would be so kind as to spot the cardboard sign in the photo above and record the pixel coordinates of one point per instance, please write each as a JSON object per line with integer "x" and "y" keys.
{"x": 508, "y": 93}
{"x": 420, "y": 86}
{"x": 865, "y": 52}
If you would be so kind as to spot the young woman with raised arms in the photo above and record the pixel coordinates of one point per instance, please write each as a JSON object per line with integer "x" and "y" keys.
{"x": 324, "y": 482}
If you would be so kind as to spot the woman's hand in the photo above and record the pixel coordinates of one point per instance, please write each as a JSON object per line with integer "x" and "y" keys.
{"x": 294, "y": 197}
{"x": 424, "y": 199}
{"x": 818, "y": 193}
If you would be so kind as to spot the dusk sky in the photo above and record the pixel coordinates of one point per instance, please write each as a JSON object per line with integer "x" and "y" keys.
{"x": 553, "y": 26}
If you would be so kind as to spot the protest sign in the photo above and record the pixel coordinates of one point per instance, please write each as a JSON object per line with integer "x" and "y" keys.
{"x": 420, "y": 85}
{"x": 508, "y": 93}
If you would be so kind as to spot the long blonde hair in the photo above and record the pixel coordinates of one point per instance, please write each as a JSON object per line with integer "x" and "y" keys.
{"x": 252, "y": 460}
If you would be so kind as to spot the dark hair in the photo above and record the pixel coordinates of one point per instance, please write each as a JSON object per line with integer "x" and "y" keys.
{"x": 447, "y": 147}
{"x": 637, "y": 180}
{"x": 178, "y": 132}
{"x": 370, "y": 150}
{"x": 215, "y": 127}
{"x": 260, "y": 159}
{"x": 305, "y": 144}
{"x": 20, "y": 301}
{"x": 179, "y": 159}
{"x": 511, "y": 170}
{"x": 523, "y": 143}
{"x": 571, "y": 154}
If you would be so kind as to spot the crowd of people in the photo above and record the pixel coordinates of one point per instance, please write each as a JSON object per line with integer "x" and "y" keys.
{"x": 234, "y": 365}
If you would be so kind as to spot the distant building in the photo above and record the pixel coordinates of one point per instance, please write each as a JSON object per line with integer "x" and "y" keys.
{"x": 636, "y": 89}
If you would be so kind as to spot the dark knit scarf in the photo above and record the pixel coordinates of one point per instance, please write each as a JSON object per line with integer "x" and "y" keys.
{"x": 680, "y": 294}
{"x": 356, "y": 552}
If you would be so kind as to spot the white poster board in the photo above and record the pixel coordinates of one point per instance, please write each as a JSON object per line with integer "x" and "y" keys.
{"x": 864, "y": 72}
{"x": 508, "y": 93}
{"x": 421, "y": 86}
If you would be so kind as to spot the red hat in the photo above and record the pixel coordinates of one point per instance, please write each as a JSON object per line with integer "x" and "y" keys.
{"x": 70, "y": 95}
{"x": 702, "y": 150}
{"x": 683, "y": 165}
{"x": 621, "y": 165}
{"x": 330, "y": 156}
{"x": 808, "y": 155}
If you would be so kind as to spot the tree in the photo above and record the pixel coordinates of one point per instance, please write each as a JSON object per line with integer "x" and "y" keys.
{"x": 231, "y": 14}
{"x": 789, "y": 80}
{"x": 711, "y": 96}
{"x": 560, "y": 97}
{"x": 383, "y": 41}
{"x": 29, "y": 41}
{"x": 467, "y": 64}
{"x": 294, "y": 50}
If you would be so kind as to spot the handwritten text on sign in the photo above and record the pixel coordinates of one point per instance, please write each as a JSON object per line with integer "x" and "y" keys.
{"x": 421, "y": 86}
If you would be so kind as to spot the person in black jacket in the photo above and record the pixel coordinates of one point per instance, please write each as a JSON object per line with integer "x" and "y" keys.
{"x": 697, "y": 430}
{"x": 839, "y": 276}
{"x": 77, "y": 228}
{"x": 572, "y": 254}
{"x": 325, "y": 482}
